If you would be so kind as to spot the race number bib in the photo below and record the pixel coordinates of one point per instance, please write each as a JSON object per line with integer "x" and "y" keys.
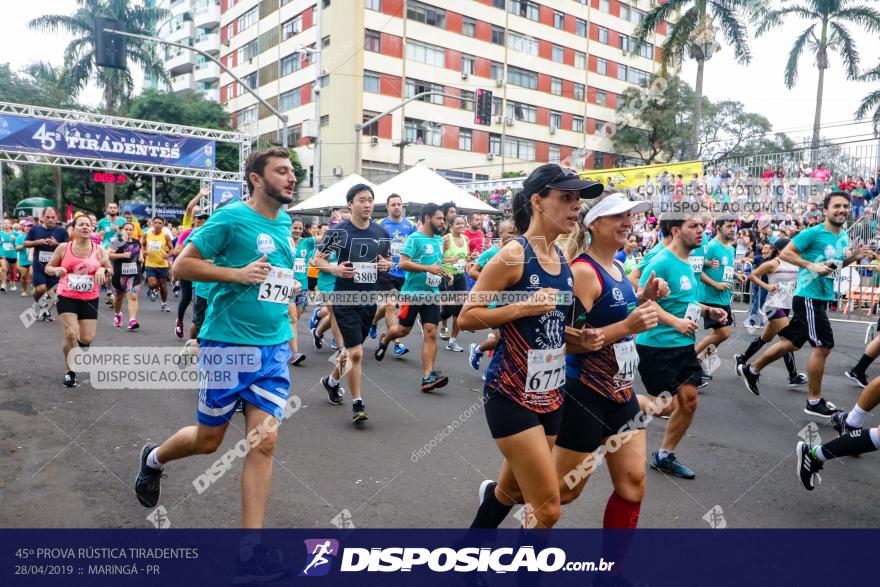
{"x": 693, "y": 312}
{"x": 728, "y": 275}
{"x": 782, "y": 297}
{"x": 129, "y": 269}
{"x": 627, "y": 361}
{"x": 45, "y": 256}
{"x": 459, "y": 266}
{"x": 546, "y": 370}
{"x": 278, "y": 287}
{"x": 365, "y": 272}
{"x": 154, "y": 246}
{"x": 396, "y": 247}
{"x": 432, "y": 280}
{"x": 299, "y": 265}
{"x": 8, "y": 247}
{"x": 696, "y": 264}
{"x": 80, "y": 283}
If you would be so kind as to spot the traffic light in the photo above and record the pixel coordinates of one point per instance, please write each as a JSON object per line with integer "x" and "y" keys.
{"x": 109, "y": 48}
{"x": 483, "y": 109}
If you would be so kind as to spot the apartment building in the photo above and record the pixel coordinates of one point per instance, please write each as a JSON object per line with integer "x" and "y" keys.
{"x": 556, "y": 69}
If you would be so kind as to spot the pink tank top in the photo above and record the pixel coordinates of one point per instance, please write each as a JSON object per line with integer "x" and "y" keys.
{"x": 79, "y": 282}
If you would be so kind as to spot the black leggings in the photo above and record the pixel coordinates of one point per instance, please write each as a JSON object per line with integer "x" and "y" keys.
{"x": 186, "y": 296}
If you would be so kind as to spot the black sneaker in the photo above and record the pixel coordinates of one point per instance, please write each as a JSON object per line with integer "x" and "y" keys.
{"x": 318, "y": 341}
{"x": 750, "y": 379}
{"x": 807, "y": 466}
{"x": 381, "y": 349}
{"x": 822, "y": 409}
{"x": 359, "y": 411}
{"x": 434, "y": 380}
{"x": 485, "y": 487}
{"x": 334, "y": 393}
{"x": 70, "y": 379}
{"x": 838, "y": 420}
{"x": 799, "y": 380}
{"x": 297, "y": 359}
{"x": 146, "y": 485}
{"x": 859, "y": 379}
{"x": 740, "y": 359}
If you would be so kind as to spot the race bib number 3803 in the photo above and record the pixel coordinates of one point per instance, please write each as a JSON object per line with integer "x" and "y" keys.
{"x": 546, "y": 370}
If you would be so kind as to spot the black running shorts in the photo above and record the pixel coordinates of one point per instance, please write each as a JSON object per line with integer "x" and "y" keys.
{"x": 667, "y": 369}
{"x": 84, "y": 309}
{"x": 506, "y": 417}
{"x": 354, "y": 323}
{"x": 588, "y": 417}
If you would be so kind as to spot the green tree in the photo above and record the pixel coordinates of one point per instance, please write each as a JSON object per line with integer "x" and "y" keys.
{"x": 871, "y": 102}
{"x": 652, "y": 125}
{"x": 693, "y": 34}
{"x": 825, "y": 33}
{"x": 79, "y": 57}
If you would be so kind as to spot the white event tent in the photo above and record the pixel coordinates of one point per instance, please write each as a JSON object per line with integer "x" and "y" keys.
{"x": 420, "y": 185}
{"x": 331, "y": 197}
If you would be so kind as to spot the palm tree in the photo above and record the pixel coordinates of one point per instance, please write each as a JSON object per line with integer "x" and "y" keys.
{"x": 872, "y": 100}
{"x": 79, "y": 57}
{"x": 828, "y": 17}
{"x": 693, "y": 34}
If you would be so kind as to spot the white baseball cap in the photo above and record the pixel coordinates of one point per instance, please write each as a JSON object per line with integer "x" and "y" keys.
{"x": 613, "y": 205}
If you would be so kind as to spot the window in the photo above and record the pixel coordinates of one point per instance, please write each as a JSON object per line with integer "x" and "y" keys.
{"x": 371, "y": 82}
{"x": 425, "y": 53}
{"x": 522, "y": 77}
{"x": 600, "y": 127}
{"x": 524, "y": 8}
{"x": 498, "y": 4}
{"x": 522, "y": 43}
{"x": 553, "y": 154}
{"x": 621, "y": 72}
{"x": 605, "y": 5}
{"x": 465, "y": 140}
{"x": 558, "y": 20}
{"x": 325, "y": 120}
{"x": 467, "y": 63}
{"x": 601, "y": 66}
{"x": 372, "y": 41}
{"x": 556, "y": 86}
{"x": 638, "y": 77}
{"x": 294, "y": 26}
{"x": 422, "y": 132}
{"x": 577, "y": 123}
{"x": 468, "y": 26}
{"x": 414, "y": 87}
{"x": 495, "y": 144}
{"x": 426, "y": 14}
{"x": 603, "y": 35}
{"x": 290, "y": 100}
{"x": 519, "y": 149}
{"x": 646, "y": 50}
{"x": 557, "y": 54}
{"x": 291, "y": 63}
{"x": 497, "y": 35}
{"x": 249, "y": 18}
{"x": 521, "y": 112}
{"x": 373, "y": 129}
{"x": 580, "y": 27}
{"x": 555, "y": 119}
{"x": 247, "y": 115}
{"x": 580, "y": 60}
{"x": 467, "y": 100}
{"x": 250, "y": 80}
{"x": 578, "y": 91}
{"x": 496, "y": 70}
{"x": 248, "y": 52}
{"x": 598, "y": 160}
{"x": 624, "y": 11}
{"x": 632, "y": 14}
{"x": 623, "y": 43}
{"x": 601, "y": 97}
{"x": 496, "y": 106}
{"x": 373, "y": 5}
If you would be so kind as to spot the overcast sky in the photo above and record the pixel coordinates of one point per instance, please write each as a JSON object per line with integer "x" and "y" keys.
{"x": 759, "y": 86}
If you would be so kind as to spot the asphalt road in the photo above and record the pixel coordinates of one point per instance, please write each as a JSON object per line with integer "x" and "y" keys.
{"x": 69, "y": 457}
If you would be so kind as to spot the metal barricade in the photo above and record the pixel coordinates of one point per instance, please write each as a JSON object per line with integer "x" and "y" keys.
{"x": 742, "y": 290}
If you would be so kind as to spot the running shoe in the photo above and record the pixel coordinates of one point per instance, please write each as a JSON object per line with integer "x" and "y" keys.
{"x": 381, "y": 348}
{"x": 265, "y": 566}
{"x": 454, "y": 347}
{"x": 24, "y": 292}
{"x": 47, "y": 317}
{"x": 164, "y": 308}
{"x": 334, "y": 393}
{"x": 474, "y": 356}
{"x": 373, "y": 332}
{"x": 485, "y": 487}
{"x": 798, "y": 380}
{"x": 313, "y": 322}
{"x": 859, "y": 379}
{"x": 333, "y": 344}
{"x": 739, "y": 358}
{"x": 178, "y": 328}
{"x": 297, "y": 358}
{"x": 3, "y": 288}
{"x": 12, "y": 287}
{"x": 750, "y": 379}
{"x": 703, "y": 383}
{"x": 117, "y": 320}
{"x": 444, "y": 333}
{"x": 434, "y": 380}
{"x": 671, "y": 465}
{"x": 318, "y": 341}
{"x": 808, "y": 466}
{"x": 70, "y": 379}
{"x": 176, "y": 291}
{"x": 838, "y": 421}
{"x": 108, "y": 300}
{"x": 359, "y": 412}
{"x": 400, "y": 350}
{"x": 822, "y": 409}
{"x": 133, "y": 325}
{"x": 146, "y": 485}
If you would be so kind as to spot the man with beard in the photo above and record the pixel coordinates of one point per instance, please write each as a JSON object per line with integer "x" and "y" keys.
{"x": 420, "y": 257}
{"x": 667, "y": 360}
{"x": 243, "y": 250}
{"x": 45, "y": 238}
{"x": 819, "y": 252}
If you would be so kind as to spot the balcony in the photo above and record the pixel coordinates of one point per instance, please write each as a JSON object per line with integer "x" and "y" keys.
{"x": 182, "y": 62}
{"x": 208, "y": 42}
{"x": 207, "y": 15}
{"x": 184, "y": 30}
{"x": 182, "y": 82}
{"x": 207, "y": 72}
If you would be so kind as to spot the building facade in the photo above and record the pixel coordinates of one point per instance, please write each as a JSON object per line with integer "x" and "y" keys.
{"x": 556, "y": 69}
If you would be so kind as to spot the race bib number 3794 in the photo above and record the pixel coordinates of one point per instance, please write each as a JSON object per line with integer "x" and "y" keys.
{"x": 279, "y": 286}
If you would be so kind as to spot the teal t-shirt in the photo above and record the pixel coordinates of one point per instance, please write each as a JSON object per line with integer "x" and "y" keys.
{"x": 23, "y": 260}
{"x": 327, "y": 281}
{"x": 105, "y": 224}
{"x": 487, "y": 255}
{"x": 7, "y": 244}
{"x": 816, "y": 245}
{"x": 200, "y": 288}
{"x": 235, "y": 236}
{"x": 724, "y": 273}
{"x": 682, "y": 291}
{"x": 302, "y": 255}
{"x": 649, "y": 256}
{"x": 424, "y": 250}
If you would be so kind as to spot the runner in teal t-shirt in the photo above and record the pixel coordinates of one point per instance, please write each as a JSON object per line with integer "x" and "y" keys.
{"x": 717, "y": 278}
{"x": 108, "y": 226}
{"x": 7, "y": 244}
{"x": 819, "y": 245}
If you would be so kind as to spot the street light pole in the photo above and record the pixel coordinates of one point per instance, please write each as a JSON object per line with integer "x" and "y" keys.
{"x": 319, "y": 46}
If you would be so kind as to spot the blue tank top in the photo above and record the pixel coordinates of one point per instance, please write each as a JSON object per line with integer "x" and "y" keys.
{"x": 509, "y": 372}
{"x": 598, "y": 370}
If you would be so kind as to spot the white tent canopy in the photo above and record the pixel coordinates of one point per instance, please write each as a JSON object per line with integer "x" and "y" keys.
{"x": 331, "y": 197}
{"x": 420, "y": 185}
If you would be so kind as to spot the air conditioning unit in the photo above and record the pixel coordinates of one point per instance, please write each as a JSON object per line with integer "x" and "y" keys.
{"x": 337, "y": 171}
{"x": 374, "y": 140}
{"x": 552, "y": 129}
{"x": 464, "y": 75}
{"x": 227, "y": 43}
{"x": 499, "y": 119}
{"x": 508, "y": 121}
{"x": 499, "y": 82}
{"x": 490, "y": 156}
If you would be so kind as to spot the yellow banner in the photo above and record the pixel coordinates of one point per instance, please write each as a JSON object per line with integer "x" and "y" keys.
{"x": 634, "y": 177}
